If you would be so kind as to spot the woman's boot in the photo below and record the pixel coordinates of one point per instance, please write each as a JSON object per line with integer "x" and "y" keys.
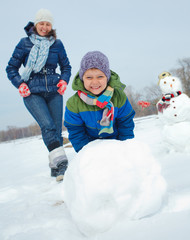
{"x": 58, "y": 163}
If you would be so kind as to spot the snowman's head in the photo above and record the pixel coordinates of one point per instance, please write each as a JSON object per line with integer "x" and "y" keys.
{"x": 169, "y": 84}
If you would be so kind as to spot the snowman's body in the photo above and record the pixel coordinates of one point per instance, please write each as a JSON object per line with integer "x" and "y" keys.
{"x": 174, "y": 112}
{"x": 178, "y": 110}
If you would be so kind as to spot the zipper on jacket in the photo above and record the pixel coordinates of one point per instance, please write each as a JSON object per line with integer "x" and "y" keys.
{"x": 45, "y": 75}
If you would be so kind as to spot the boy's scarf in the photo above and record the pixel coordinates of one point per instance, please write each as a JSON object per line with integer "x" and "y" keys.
{"x": 38, "y": 55}
{"x": 103, "y": 101}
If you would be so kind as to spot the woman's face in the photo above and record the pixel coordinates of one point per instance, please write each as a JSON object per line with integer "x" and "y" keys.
{"x": 43, "y": 28}
{"x": 95, "y": 81}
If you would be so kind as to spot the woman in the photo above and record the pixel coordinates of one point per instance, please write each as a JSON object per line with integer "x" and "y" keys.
{"x": 40, "y": 86}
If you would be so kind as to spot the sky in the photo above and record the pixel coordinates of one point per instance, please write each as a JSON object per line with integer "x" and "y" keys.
{"x": 140, "y": 38}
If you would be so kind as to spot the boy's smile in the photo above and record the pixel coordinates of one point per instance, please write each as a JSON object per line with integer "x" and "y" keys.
{"x": 95, "y": 81}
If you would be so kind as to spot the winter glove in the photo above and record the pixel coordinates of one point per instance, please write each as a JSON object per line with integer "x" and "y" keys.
{"x": 62, "y": 85}
{"x": 24, "y": 90}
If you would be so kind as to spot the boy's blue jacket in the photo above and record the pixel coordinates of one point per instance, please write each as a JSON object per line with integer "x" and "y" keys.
{"x": 38, "y": 82}
{"x": 82, "y": 120}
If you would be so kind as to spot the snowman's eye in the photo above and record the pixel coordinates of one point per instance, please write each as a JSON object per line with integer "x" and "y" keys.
{"x": 173, "y": 80}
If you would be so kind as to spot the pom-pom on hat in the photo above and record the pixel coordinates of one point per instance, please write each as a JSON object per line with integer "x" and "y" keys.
{"x": 95, "y": 59}
{"x": 43, "y": 15}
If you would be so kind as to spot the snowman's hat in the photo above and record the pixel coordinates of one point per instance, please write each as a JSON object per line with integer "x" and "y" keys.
{"x": 163, "y": 75}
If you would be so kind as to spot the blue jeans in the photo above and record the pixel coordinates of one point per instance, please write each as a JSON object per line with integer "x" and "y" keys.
{"x": 47, "y": 110}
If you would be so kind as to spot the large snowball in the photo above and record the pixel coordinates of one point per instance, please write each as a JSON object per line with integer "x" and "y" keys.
{"x": 110, "y": 179}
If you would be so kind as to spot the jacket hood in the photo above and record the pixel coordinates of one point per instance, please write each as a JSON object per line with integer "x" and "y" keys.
{"x": 114, "y": 82}
{"x": 29, "y": 28}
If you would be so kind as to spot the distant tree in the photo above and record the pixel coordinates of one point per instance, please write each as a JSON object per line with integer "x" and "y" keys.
{"x": 13, "y": 132}
{"x": 2, "y": 136}
{"x": 134, "y": 97}
{"x": 183, "y": 72}
{"x": 149, "y": 94}
{"x": 34, "y": 129}
{"x": 152, "y": 94}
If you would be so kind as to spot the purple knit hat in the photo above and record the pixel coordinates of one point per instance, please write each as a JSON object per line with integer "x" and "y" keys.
{"x": 95, "y": 59}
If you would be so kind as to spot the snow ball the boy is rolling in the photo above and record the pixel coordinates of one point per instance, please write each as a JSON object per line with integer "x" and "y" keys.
{"x": 110, "y": 180}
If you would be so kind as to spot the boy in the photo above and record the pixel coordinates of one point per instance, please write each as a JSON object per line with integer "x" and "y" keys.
{"x": 99, "y": 109}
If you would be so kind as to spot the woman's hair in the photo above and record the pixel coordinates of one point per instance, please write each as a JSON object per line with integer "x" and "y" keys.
{"x": 51, "y": 33}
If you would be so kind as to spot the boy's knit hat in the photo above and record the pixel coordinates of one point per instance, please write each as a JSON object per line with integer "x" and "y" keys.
{"x": 43, "y": 15}
{"x": 95, "y": 59}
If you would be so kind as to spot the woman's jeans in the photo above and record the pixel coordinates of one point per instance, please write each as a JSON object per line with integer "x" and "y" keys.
{"x": 47, "y": 110}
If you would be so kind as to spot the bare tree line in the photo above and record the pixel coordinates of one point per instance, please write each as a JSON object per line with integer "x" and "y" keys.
{"x": 13, "y": 132}
{"x": 150, "y": 94}
{"x": 183, "y": 72}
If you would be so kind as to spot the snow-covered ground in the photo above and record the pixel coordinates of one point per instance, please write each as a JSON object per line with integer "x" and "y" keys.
{"x": 31, "y": 202}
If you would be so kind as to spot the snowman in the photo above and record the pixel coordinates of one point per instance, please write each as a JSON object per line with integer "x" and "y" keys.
{"x": 174, "y": 113}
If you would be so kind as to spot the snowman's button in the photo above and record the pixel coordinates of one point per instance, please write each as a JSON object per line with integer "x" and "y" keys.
{"x": 175, "y": 115}
{"x": 174, "y": 107}
{"x": 173, "y": 101}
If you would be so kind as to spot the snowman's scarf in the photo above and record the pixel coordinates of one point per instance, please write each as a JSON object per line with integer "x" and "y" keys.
{"x": 102, "y": 101}
{"x": 165, "y": 102}
{"x": 168, "y": 96}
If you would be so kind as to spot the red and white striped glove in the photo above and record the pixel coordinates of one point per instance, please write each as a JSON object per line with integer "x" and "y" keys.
{"x": 24, "y": 90}
{"x": 62, "y": 85}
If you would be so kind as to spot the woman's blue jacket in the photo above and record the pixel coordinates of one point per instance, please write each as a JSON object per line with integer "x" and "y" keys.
{"x": 47, "y": 78}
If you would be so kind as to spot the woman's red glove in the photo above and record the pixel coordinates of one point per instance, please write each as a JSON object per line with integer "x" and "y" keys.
{"x": 24, "y": 90}
{"x": 62, "y": 85}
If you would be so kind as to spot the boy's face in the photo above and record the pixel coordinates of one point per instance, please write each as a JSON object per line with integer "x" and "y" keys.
{"x": 95, "y": 81}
